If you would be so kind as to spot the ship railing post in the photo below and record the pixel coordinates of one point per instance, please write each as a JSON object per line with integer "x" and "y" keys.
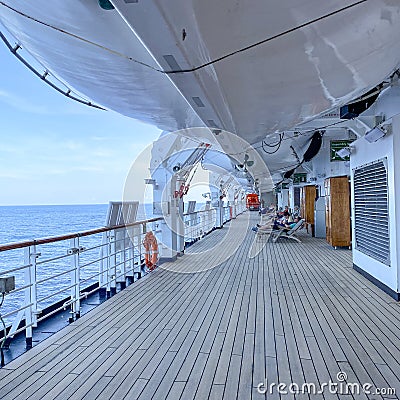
{"x": 113, "y": 263}
{"x": 180, "y": 227}
{"x": 136, "y": 251}
{"x": 75, "y": 279}
{"x": 218, "y": 220}
{"x": 129, "y": 252}
{"x": 139, "y": 232}
{"x": 108, "y": 263}
{"x": 103, "y": 264}
{"x": 169, "y": 239}
{"x": 201, "y": 224}
{"x": 197, "y": 224}
{"x": 35, "y": 311}
{"x": 30, "y": 293}
{"x": 124, "y": 245}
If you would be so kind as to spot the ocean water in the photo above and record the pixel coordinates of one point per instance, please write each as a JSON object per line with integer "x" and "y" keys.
{"x": 26, "y": 223}
{"x": 20, "y": 223}
{"x": 23, "y": 223}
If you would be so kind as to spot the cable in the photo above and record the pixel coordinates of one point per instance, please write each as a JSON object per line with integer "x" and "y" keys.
{"x": 270, "y": 38}
{"x": 78, "y": 37}
{"x": 274, "y": 144}
{"x": 43, "y": 77}
{"x": 295, "y": 154}
{"x": 214, "y": 61}
{"x": 304, "y": 133}
{"x": 277, "y": 145}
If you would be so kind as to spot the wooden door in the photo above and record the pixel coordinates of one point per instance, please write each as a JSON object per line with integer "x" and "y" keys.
{"x": 338, "y": 212}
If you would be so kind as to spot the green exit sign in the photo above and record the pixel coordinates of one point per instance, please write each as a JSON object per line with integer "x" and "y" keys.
{"x": 299, "y": 178}
{"x": 337, "y": 145}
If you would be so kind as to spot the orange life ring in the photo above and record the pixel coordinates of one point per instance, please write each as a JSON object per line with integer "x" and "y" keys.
{"x": 151, "y": 253}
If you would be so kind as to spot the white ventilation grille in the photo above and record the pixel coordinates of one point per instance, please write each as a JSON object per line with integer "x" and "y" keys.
{"x": 371, "y": 211}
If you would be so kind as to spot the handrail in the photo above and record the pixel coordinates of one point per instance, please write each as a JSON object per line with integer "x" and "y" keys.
{"x": 117, "y": 260}
{"x": 13, "y": 246}
{"x": 199, "y": 211}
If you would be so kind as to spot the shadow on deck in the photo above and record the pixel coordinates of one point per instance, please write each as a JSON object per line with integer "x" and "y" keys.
{"x": 296, "y": 313}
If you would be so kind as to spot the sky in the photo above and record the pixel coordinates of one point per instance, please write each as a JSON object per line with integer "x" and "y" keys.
{"x": 56, "y": 151}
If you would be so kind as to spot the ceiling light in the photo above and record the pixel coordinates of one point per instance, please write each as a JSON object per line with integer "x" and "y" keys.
{"x": 345, "y": 152}
{"x": 374, "y": 135}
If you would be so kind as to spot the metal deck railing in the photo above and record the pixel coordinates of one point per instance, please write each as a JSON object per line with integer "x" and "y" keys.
{"x": 54, "y": 274}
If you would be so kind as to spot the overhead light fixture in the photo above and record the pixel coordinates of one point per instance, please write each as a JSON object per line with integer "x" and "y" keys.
{"x": 343, "y": 153}
{"x": 171, "y": 61}
{"x": 198, "y": 102}
{"x": 106, "y": 5}
{"x": 374, "y": 134}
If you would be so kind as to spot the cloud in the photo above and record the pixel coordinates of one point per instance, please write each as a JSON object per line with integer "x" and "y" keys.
{"x": 103, "y": 153}
{"x": 11, "y": 175}
{"x": 100, "y": 138}
{"x": 12, "y": 149}
{"x": 29, "y": 105}
{"x": 71, "y": 145}
{"x": 22, "y": 104}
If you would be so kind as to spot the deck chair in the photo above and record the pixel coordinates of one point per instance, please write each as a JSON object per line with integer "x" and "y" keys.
{"x": 288, "y": 234}
{"x": 267, "y": 218}
{"x": 261, "y": 233}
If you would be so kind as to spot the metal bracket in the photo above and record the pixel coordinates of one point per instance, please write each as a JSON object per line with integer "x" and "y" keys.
{"x": 75, "y": 250}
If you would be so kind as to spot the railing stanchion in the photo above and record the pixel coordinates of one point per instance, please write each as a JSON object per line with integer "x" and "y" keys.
{"x": 30, "y": 293}
{"x": 113, "y": 263}
{"x": 103, "y": 263}
{"x": 123, "y": 245}
{"x": 75, "y": 279}
{"x": 62, "y": 280}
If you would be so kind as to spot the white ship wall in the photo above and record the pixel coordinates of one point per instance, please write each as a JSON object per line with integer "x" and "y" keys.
{"x": 283, "y": 198}
{"x": 366, "y": 153}
{"x": 322, "y": 166}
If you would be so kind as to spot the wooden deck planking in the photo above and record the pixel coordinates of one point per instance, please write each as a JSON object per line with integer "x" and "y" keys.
{"x": 348, "y": 316}
{"x": 293, "y": 313}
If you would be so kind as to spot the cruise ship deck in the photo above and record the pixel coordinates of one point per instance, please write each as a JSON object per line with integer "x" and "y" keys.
{"x": 294, "y": 313}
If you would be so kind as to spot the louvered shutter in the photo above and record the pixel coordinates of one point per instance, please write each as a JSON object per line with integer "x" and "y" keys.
{"x": 371, "y": 211}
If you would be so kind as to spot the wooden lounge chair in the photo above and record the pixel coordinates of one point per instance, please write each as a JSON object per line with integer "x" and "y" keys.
{"x": 288, "y": 233}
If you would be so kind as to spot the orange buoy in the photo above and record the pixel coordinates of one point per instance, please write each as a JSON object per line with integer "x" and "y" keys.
{"x": 151, "y": 253}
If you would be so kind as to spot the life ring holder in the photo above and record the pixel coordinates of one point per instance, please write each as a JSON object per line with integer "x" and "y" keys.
{"x": 151, "y": 250}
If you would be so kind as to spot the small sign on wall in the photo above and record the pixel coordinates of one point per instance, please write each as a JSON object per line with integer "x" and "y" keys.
{"x": 299, "y": 178}
{"x": 337, "y": 145}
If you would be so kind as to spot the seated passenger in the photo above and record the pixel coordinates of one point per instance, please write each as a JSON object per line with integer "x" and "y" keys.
{"x": 286, "y": 223}
{"x": 296, "y": 211}
{"x": 291, "y": 225}
{"x": 278, "y": 224}
{"x": 257, "y": 228}
{"x": 263, "y": 211}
